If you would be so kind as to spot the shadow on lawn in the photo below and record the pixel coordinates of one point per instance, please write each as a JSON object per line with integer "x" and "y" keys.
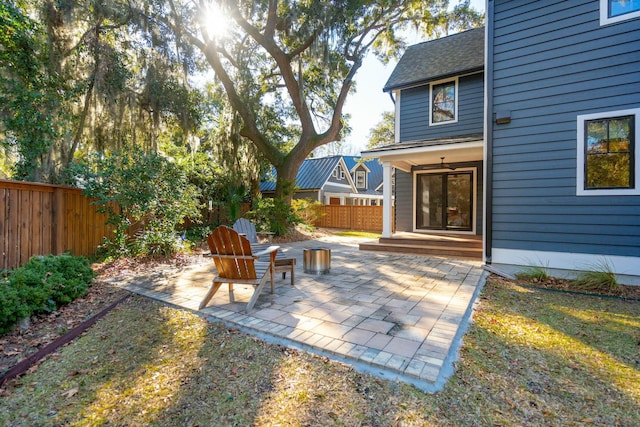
{"x": 558, "y": 358}
{"x": 146, "y": 364}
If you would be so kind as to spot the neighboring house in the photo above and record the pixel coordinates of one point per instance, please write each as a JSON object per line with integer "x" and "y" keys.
{"x": 562, "y": 124}
{"x": 335, "y": 180}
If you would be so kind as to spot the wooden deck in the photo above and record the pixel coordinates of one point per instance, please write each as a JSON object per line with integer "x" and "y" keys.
{"x": 443, "y": 245}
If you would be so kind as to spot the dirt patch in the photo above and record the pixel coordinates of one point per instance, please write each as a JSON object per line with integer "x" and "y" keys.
{"x": 38, "y": 331}
{"x": 299, "y": 234}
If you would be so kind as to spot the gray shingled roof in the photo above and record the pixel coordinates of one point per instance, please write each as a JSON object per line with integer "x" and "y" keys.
{"x": 455, "y": 54}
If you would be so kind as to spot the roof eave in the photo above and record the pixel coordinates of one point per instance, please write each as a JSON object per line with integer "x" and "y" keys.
{"x": 424, "y": 81}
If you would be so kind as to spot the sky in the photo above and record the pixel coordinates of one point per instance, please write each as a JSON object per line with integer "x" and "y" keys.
{"x": 369, "y": 102}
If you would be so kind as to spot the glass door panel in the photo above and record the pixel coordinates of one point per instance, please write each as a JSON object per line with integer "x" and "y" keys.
{"x": 459, "y": 204}
{"x": 444, "y": 201}
{"x": 429, "y": 203}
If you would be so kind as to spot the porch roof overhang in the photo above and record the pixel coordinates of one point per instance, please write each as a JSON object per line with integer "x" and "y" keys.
{"x": 405, "y": 155}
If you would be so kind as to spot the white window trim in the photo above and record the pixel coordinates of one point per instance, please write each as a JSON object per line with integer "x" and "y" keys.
{"x": 580, "y": 190}
{"x": 363, "y": 174}
{"x": 439, "y": 82}
{"x": 606, "y": 20}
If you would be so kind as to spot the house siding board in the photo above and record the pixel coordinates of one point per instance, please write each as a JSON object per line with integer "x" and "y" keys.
{"x": 552, "y": 63}
{"x": 414, "y": 110}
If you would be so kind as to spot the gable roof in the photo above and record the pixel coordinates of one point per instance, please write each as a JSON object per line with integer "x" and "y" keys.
{"x": 312, "y": 175}
{"x": 315, "y": 172}
{"x": 435, "y": 59}
{"x": 375, "y": 172}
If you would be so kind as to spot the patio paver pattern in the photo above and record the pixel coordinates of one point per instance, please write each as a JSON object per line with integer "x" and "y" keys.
{"x": 400, "y": 317}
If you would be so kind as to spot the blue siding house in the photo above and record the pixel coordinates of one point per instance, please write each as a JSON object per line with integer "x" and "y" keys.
{"x": 438, "y": 90}
{"x": 559, "y": 126}
{"x": 563, "y": 120}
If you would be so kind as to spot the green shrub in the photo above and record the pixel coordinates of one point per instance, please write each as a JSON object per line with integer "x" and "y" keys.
{"x": 42, "y": 285}
{"x": 197, "y": 234}
{"x": 273, "y": 215}
{"x": 143, "y": 191}
{"x": 309, "y": 211}
{"x": 600, "y": 278}
{"x": 156, "y": 243}
{"x": 12, "y": 308}
{"x": 538, "y": 274}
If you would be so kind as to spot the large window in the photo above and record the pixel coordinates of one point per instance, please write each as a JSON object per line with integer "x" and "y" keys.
{"x": 607, "y": 153}
{"x": 612, "y": 11}
{"x": 444, "y": 102}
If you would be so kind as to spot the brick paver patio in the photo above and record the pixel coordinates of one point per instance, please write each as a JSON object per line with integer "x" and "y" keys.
{"x": 400, "y": 317}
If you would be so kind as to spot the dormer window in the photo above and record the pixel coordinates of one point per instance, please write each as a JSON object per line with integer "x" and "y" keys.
{"x": 444, "y": 102}
{"x": 361, "y": 179}
{"x": 335, "y": 172}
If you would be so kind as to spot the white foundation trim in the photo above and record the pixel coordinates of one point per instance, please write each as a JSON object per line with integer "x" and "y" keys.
{"x": 624, "y": 265}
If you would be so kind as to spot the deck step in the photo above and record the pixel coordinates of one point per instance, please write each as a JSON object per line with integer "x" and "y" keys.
{"x": 433, "y": 241}
{"x": 424, "y": 249}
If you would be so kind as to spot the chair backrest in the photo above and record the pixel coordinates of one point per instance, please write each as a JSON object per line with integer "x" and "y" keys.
{"x": 231, "y": 254}
{"x": 247, "y": 228}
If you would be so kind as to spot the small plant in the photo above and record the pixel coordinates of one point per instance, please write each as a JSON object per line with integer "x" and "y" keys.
{"x": 309, "y": 211}
{"x": 197, "y": 234}
{"x": 42, "y": 285}
{"x": 12, "y": 308}
{"x": 533, "y": 274}
{"x": 273, "y": 215}
{"x": 600, "y": 278}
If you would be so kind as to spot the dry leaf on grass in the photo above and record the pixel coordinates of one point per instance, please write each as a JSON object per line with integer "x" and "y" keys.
{"x": 70, "y": 393}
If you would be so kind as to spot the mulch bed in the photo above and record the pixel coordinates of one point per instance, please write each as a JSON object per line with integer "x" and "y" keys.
{"x": 39, "y": 331}
{"x": 556, "y": 284}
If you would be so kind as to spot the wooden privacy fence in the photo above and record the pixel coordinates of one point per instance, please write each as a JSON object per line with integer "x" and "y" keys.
{"x": 42, "y": 219}
{"x": 361, "y": 218}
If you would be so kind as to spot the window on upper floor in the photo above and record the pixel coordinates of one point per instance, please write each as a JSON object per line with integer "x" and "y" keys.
{"x": 607, "y": 153}
{"x": 612, "y": 11}
{"x": 444, "y": 102}
{"x": 361, "y": 179}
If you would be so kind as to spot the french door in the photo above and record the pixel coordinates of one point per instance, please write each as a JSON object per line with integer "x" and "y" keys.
{"x": 444, "y": 201}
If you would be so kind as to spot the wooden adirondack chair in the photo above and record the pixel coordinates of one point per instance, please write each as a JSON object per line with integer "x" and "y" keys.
{"x": 246, "y": 227}
{"x": 283, "y": 264}
{"x": 236, "y": 263}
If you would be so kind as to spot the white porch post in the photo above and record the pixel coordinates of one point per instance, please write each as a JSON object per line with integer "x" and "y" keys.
{"x": 386, "y": 199}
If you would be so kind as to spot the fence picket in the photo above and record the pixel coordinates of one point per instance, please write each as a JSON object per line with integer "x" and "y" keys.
{"x": 41, "y": 219}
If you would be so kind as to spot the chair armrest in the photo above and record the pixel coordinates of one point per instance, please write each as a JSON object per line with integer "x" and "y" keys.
{"x": 266, "y": 251}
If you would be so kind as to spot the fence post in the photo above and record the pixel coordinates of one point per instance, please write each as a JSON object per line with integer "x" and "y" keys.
{"x": 57, "y": 222}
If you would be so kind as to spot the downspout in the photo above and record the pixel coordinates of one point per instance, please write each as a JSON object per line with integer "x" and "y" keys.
{"x": 488, "y": 140}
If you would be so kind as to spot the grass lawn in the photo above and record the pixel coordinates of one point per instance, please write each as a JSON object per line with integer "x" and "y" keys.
{"x": 530, "y": 358}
